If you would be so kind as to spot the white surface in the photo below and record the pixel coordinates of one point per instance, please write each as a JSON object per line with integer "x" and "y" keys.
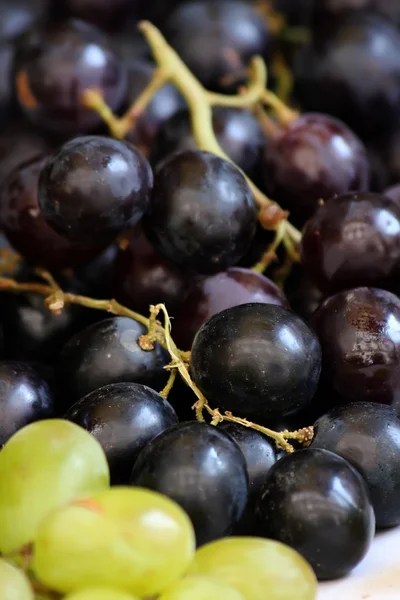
{"x": 376, "y": 578}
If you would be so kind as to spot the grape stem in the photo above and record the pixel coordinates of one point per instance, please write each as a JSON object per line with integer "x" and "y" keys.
{"x": 269, "y": 255}
{"x": 200, "y": 103}
{"x": 56, "y": 299}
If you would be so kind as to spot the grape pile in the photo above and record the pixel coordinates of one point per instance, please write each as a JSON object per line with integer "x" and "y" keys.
{"x": 199, "y": 294}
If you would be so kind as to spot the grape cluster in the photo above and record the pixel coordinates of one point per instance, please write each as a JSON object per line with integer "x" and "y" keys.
{"x": 199, "y": 294}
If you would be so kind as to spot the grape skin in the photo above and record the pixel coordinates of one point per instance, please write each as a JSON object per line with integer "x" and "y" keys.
{"x": 14, "y": 585}
{"x": 43, "y": 466}
{"x": 100, "y": 594}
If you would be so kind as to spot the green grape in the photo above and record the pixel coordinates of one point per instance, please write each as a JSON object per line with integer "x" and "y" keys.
{"x": 125, "y": 538}
{"x": 201, "y": 588}
{"x": 14, "y": 584}
{"x": 44, "y": 466}
{"x": 100, "y": 594}
{"x": 258, "y": 568}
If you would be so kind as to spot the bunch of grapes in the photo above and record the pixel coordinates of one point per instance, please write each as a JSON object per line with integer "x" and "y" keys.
{"x": 200, "y": 307}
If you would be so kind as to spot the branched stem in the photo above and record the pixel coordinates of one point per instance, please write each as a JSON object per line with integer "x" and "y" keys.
{"x": 270, "y": 254}
{"x": 56, "y": 299}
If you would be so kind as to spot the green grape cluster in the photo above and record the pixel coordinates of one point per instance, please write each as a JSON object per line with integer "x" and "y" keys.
{"x": 87, "y": 541}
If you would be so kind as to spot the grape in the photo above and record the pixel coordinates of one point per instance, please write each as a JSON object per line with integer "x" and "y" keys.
{"x": 55, "y": 65}
{"x": 201, "y": 588}
{"x": 203, "y": 470}
{"x": 358, "y": 331}
{"x": 94, "y": 188}
{"x": 124, "y": 418}
{"x": 14, "y": 585}
{"x": 202, "y": 214}
{"x": 212, "y": 294}
{"x": 24, "y": 225}
{"x": 100, "y": 12}
{"x": 142, "y": 277}
{"x": 24, "y": 397}
{"x": 256, "y": 360}
{"x": 356, "y": 76}
{"x": 316, "y": 157}
{"x": 257, "y": 568}
{"x": 216, "y": 38}
{"x": 368, "y": 436}
{"x": 129, "y": 539}
{"x": 108, "y": 352}
{"x": 353, "y": 240}
{"x": 303, "y": 505}
{"x": 100, "y": 594}
{"x": 18, "y": 16}
{"x": 42, "y": 466}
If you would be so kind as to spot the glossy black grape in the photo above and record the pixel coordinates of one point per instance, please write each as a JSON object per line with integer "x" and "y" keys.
{"x": 368, "y": 436}
{"x": 356, "y": 77}
{"x": 315, "y": 158}
{"x": 24, "y": 225}
{"x": 165, "y": 103}
{"x": 318, "y": 504}
{"x": 142, "y": 277}
{"x": 94, "y": 188}
{"x": 256, "y": 360}
{"x": 210, "y": 295}
{"x": 24, "y": 397}
{"x": 238, "y": 133}
{"x": 55, "y": 65}
{"x": 108, "y": 352}
{"x": 124, "y": 418}
{"x": 359, "y": 334}
{"x": 202, "y": 214}
{"x": 216, "y": 39}
{"x": 353, "y": 240}
{"x": 203, "y": 470}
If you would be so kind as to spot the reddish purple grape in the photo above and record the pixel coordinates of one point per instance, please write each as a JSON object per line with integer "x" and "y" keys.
{"x": 142, "y": 277}
{"x": 55, "y": 65}
{"x": 165, "y": 103}
{"x": 94, "y": 188}
{"x": 238, "y": 133}
{"x": 209, "y": 296}
{"x": 316, "y": 158}
{"x": 359, "y": 334}
{"x": 18, "y": 16}
{"x": 216, "y": 39}
{"x": 353, "y": 240}
{"x": 25, "y": 227}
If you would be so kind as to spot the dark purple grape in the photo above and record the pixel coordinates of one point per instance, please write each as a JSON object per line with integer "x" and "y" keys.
{"x": 353, "y": 240}
{"x": 210, "y": 295}
{"x": 237, "y": 132}
{"x": 94, "y": 188}
{"x": 24, "y": 397}
{"x": 165, "y": 103}
{"x": 260, "y": 456}
{"x": 24, "y": 226}
{"x": 316, "y": 158}
{"x": 257, "y": 361}
{"x": 356, "y": 77}
{"x": 142, "y": 277}
{"x": 202, "y": 214}
{"x": 303, "y": 295}
{"x": 124, "y": 418}
{"x": 102, "y": 13}
{"x": 203, "y": 470}
{"x": 55, "y": 65}
{"x": 368, "y": 436}
{"x": 108, "y": 352}
{"x": 7, "y": 99}
{"x": 318, "y": 504}
{"x": 216, "y": 39}
{"x": 359, "y": 334}
{"x": 18, "y": 16}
